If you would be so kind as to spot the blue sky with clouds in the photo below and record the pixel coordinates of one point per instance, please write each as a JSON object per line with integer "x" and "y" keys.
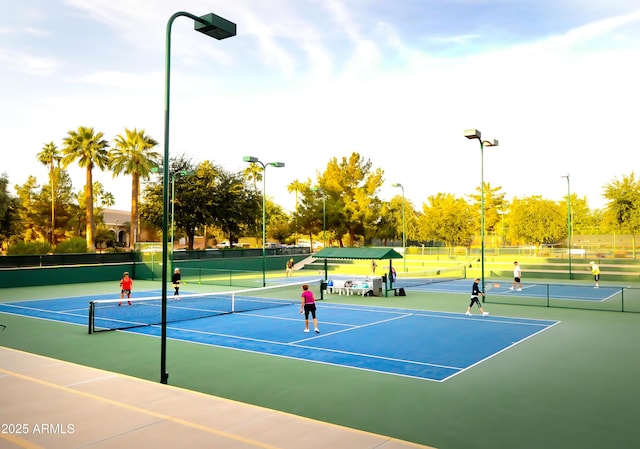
{"x": 556, "y": 82}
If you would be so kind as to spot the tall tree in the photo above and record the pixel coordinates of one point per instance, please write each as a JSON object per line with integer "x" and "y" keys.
{"x": 494, "y": 203}
{"x": 133, "y": 155}
{"x": 253, "y": 173}
{"x": 90, "y": 150}
{"x": 296, "y": 186}
{"x": 447, "y": 219}
{"x": 9, "y": 217}
{"x": 534, "y": 220}
{"x": 623, "y": 206}
{"x": 209, "y": 197}
{"x": 50, "y": 156}
{"x": 351, "y": 185}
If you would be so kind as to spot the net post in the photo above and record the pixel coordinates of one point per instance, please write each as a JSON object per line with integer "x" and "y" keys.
{"x": 91, "y": 315}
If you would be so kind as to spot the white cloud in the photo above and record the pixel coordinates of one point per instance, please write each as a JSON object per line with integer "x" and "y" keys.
{"x": 307, "y": 81}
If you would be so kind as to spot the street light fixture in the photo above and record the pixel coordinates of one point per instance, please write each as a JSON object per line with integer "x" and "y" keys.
{"x": 218, "y": 28}
{"x": 404, "y": 230}
{"x": 476, "y": 134}
{"x": 569, "y": 221}
{"x": 255, "y": 160}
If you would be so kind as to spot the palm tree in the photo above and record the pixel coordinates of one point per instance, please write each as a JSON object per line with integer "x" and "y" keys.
{"x": 90, "y": 150}
{"x": 253, "y": 172}
{"x": 51, "y": 156}
{"x": 133, "y": 156}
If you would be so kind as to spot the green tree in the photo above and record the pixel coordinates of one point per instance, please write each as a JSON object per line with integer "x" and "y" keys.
{"x": 447, "y": 219}
{"x": 90, "y": 150}
{"x": 534, "y": 220}
{"x": 581, "y": 216}
{"x": 310, "y": 216}
{"x": 351, "y": 185}
{"x": 209, "y": 197}
{"x": 390, "y": 224}
{"x": 50, "y": 156}
{"x": 494, "y": 203}
{"x": 133, "y": 155}
{"x": 296, "y": 186}
{"x": 253, "y": 174}
{"x": 623, "y": 206}
{"x": 9, "y": 218}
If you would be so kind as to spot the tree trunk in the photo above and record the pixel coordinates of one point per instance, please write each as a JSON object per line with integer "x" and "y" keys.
{"x": 135, "y": 195}
{"x": 88, "y": 192}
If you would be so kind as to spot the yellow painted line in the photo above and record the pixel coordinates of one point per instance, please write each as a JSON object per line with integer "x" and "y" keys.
{"x": 17, "y": 441}
{"x": 138, "y": 410}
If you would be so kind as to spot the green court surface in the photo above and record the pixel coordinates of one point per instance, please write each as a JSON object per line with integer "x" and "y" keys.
{"x": 573, "y": 386}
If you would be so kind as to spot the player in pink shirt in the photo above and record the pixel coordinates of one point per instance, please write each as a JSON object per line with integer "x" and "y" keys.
{"x": 308, "y": 306}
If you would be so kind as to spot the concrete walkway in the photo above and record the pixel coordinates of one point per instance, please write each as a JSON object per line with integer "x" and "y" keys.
{"x": 47, "y": 403}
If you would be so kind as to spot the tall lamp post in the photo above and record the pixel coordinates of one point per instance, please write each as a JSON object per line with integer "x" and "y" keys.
{"x": 404, "y": 229}
{"x": 476, "y": 134}
{"x": 255, "y": 160}
{"x": 569, "y": 221}
{"x": 324, "y": 215}
{"x": 502, "y": 214}
{"x": 218, "y": 28}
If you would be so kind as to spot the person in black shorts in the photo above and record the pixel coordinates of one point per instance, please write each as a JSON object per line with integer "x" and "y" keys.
{"x": 475, "y": 292}
{"x": 308, "y": 306}
{"x": 176, "y": 280}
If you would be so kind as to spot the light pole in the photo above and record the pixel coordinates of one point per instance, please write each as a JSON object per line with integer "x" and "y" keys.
{"x": 324, "y": 215}
{"x": 218, "y": 28}
{"x": 475, "y": 134}
{"x": 404, "y": 230}
{"x": 502, "y": 214}
{"x": 569, "y": 221}
{"x": 255, "y": 160}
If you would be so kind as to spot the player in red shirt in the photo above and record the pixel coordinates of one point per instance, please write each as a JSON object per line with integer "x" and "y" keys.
{"x": 126, "y": 284}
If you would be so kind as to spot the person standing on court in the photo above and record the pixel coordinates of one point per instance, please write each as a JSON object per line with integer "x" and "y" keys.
{"x": 475, "y": 292}
{"x": 176, "y": 278}
{"x": 308, "y": 306}
{"x": 517, "y": 274}
{"x": 595, "y": 270}
{"x": 374, "y": 265}
{"x": 289, "y": 267}
{"x": 126, "y": 284}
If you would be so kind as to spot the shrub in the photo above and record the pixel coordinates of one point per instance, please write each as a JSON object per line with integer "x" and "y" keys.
{"x": 73, "y": 245}
{"x": 21, "y": 247}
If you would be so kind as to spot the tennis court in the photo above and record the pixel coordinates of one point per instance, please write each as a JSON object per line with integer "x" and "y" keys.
{"x": 535, "y": 290}
{"x": 413, "y": 343}
{"x": 574, "y": 295}
{"x": 529, "y": 396}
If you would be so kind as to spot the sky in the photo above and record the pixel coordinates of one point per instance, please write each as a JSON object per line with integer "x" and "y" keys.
{"x": 556, "y": 82}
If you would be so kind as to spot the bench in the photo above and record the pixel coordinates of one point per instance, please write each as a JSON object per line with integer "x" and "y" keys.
{"x": 346, "y": 287}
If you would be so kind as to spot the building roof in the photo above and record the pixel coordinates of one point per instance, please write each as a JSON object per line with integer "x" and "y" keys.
{"x": 114, "y": 216}
{"x": 357, "y": 253}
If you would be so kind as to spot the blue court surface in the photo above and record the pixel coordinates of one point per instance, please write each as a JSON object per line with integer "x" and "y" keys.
{"x": 414, "y": 343}
{"x": 579, "y": 292}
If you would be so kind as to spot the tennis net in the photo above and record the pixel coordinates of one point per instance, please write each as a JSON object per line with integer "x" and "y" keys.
{"x": 118, "y": 314}
{"x": 416, "y": 278}
{"x": 209, "y": 276}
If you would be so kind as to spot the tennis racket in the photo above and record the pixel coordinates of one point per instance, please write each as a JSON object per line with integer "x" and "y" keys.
{"x": 490, "y": 286}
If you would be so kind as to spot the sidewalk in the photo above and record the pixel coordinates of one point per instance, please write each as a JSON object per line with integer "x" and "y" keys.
{"x": 51, "y": 404}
